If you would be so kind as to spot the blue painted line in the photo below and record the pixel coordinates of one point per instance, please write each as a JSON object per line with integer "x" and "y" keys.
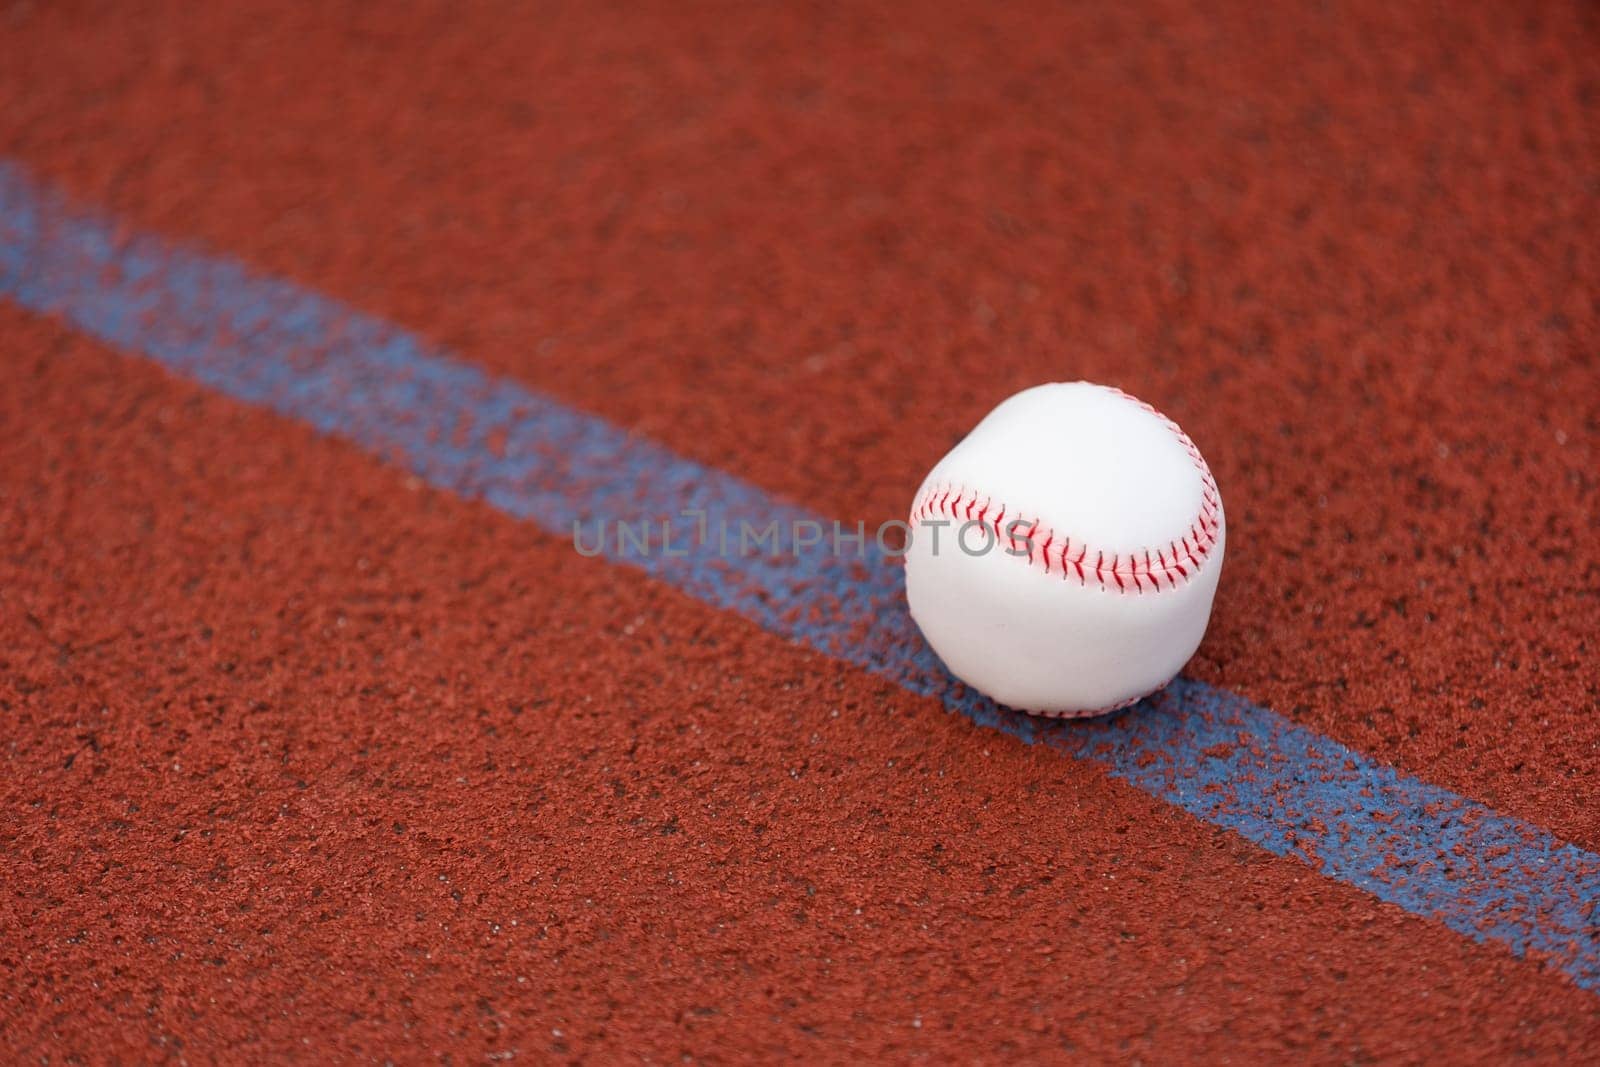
{"x": 272, "y": 343}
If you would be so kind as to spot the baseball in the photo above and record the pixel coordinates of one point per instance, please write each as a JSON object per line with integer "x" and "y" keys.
{"x": 1064, "y": 555}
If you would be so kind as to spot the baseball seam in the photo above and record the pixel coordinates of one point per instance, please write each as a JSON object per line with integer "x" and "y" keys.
{"x": 1149, "y": 569}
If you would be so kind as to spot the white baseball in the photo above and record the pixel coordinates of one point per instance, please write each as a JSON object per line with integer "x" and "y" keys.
{"x": 1064, "y": 555}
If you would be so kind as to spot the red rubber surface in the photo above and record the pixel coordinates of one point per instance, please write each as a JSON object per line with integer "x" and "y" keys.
{"x": 290, "y": 743}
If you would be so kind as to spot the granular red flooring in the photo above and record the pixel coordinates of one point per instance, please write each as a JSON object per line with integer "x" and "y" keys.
{"x": 304, "y": 759}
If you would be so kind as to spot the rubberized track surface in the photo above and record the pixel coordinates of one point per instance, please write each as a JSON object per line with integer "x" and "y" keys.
{"x": 306, "y": 756}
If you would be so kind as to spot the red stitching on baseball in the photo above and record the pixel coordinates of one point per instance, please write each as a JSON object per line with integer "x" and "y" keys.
{"x": 1167, "y": 570}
